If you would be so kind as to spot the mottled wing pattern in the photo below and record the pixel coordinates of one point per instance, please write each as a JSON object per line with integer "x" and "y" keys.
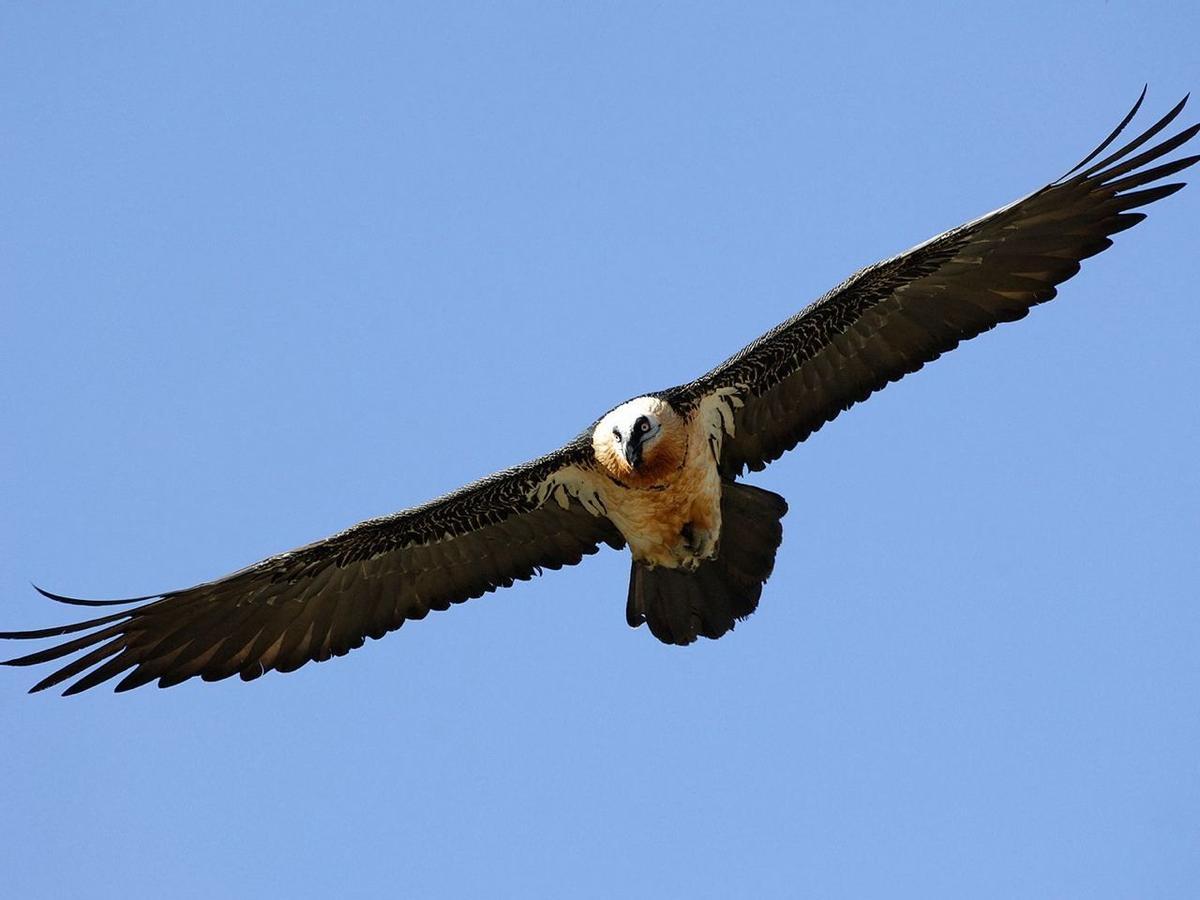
{"x": 326, "y": 598}
{"x": 893, "y": 317}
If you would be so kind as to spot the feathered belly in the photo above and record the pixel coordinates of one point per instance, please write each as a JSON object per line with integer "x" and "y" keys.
{"x": 673, "y": 524}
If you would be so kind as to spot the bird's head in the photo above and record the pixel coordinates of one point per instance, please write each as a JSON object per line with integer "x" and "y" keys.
{"x": 640, "y": 440}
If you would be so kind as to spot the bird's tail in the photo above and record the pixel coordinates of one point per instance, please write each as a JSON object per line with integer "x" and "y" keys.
{"x": 679, "y": 605}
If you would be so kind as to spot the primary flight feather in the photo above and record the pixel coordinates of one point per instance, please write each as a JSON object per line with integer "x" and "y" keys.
{"x": 658, "y": 473}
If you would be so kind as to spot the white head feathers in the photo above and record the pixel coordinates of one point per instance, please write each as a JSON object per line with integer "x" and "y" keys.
{"x": 640, "y": 439}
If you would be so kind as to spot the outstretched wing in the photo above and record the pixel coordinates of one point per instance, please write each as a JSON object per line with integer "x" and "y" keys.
{"x": 893, "y": 317}
{"x": 326, "y": 598}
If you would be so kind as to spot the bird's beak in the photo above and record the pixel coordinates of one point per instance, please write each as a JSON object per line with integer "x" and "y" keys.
{"x": 633, "y": 450}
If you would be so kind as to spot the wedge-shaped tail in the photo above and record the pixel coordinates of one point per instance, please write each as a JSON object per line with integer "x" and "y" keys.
{"x": 680, "y": 606}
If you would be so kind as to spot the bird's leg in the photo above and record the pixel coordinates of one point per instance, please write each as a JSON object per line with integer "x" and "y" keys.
{"x": 696, "y": 545}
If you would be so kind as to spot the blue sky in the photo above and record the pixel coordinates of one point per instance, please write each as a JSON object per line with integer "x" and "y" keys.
{"x": 271, "y": 270}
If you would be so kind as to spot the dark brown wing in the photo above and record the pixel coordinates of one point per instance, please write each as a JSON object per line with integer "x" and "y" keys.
{"x": 326, "y": 598}
{"x": 893, "y": 317}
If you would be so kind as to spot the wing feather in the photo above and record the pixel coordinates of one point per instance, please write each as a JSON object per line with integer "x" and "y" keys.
{"x": 893, "y": 317}
{"x": 325, "y": 599}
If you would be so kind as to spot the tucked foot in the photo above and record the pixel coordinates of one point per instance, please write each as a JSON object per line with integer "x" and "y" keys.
{"x": 696, "y": 545}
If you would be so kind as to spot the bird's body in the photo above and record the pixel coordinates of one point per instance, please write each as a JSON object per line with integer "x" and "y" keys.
{"x": 659, "y": 473}
{"x": 668, "y": 508}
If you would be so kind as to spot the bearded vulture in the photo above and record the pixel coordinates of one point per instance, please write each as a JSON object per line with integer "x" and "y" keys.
{"x": 658, "y": 473}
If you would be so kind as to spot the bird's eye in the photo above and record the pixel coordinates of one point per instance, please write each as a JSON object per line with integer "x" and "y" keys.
{"x": 617, "y": 434}
{"x": 644, "y": 426}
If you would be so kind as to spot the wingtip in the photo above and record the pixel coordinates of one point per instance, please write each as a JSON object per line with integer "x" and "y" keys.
{"x": 1141, "y": 98}
{"x": 1177, "y": 108}
{"x": 50, "y": 595}
{"x": 79, "y": 601}
{"x": 42, "y": 685}
{"x": 1116, "y": 132}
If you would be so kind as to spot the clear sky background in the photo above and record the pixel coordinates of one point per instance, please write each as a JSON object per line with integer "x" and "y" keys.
{"x": 270, "y": 269}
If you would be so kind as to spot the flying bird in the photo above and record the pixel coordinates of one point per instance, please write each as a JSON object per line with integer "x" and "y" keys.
{"x": 659, "y": 473}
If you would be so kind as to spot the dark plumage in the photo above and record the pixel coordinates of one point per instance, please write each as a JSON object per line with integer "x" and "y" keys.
{"x": 889, "y": 319}
{"x": 883, "y": 322}
{"x": 679, "y": 606}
